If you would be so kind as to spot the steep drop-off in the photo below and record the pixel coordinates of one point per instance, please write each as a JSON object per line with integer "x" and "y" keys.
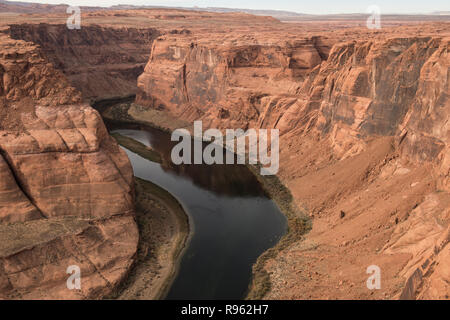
{"x": 100, "y": 62}
{"x": 65, "y": 189}
{"x": 364, "y": 147}
{"x": 364, "y": 123}
{"x": 226, "y": 84}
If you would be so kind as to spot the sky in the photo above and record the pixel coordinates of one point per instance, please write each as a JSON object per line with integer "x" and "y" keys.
{"x": 301, "y": 6}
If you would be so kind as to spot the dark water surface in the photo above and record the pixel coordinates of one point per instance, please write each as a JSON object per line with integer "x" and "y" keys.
{"x": 232, "y": 220}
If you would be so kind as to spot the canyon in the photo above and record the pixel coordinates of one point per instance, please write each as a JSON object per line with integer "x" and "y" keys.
{"x": 363, "y": 117}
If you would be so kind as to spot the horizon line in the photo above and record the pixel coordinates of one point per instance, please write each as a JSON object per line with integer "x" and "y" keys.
{"x": 435, "y": 12}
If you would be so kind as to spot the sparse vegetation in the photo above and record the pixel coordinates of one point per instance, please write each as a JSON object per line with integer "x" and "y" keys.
{"x": 149, "y": 250}
{"x": 298, "y": 224}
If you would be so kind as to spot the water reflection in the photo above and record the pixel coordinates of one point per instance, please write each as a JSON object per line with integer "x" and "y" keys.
{"x": 222, "y": 179}
{"x": 233, "y": 221}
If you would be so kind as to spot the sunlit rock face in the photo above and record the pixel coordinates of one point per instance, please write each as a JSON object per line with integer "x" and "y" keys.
{"x": 66, "y": 194}
{"x": 359, "y": 87}
{"x": 226, "y": 84}
{"x": 363, "y": 118}
{"x": 372, "y": 112}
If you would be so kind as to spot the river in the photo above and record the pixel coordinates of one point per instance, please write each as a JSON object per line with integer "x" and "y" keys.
{"x": 232, "y": 220}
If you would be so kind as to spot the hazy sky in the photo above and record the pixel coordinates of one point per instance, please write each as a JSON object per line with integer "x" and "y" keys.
{"x": 310, "y": 6}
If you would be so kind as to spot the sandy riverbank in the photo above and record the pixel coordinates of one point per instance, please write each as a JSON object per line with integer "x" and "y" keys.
{"x": 163, "y": 233}
{"x": 137, "y": 147}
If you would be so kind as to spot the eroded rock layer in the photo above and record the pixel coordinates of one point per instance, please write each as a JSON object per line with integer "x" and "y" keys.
{"x": 65, "y": 189}
{"x": 364, "y": 145}
{"x": 98, "y": 61}
{"x": 363, "y": 116}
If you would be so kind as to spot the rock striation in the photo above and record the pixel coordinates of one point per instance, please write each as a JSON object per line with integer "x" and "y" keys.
{"x": 358, "y": 119}
{"x": 100, "y": 62}
{"x": 66, "y": 195}
{"x": 226, "y": 84}
{"x": 363, "y": 117}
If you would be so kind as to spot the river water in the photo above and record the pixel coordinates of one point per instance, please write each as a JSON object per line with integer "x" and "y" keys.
{"x": 232, "y": 220}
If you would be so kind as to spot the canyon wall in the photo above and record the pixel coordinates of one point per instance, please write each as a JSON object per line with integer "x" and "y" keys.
{"x": 394, "y": 87}
{"x": 364, "y": 144}
{"x": 357, "y": 88}
{"x": 226, "y": 84}
{"x": 363, "y": 117}
{"x": 100, "y": 62}
{"x": 66, "y": 196}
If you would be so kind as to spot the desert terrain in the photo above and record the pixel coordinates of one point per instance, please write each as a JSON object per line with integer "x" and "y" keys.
{"x": 364, "y": 145}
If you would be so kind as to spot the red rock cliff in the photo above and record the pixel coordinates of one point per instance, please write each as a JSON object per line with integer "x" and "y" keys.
{"x": 364, "y": 130}
{"x": 99, "y": 61}
{"x": 65, "y": 188}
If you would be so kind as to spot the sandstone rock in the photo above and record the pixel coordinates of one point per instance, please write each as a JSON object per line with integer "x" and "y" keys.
{"x": 98, "y": 61}
{"x": 346, "y": 116}
{"x": 363, "y": 115}
{"x": 65, "y": 188}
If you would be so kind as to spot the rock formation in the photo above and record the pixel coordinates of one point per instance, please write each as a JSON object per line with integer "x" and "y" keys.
{"x": 65, "y": 189}
{"x": 365, "y": 128}
{"x": 364, "y": 122}
{"x": 100, "y": 62}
